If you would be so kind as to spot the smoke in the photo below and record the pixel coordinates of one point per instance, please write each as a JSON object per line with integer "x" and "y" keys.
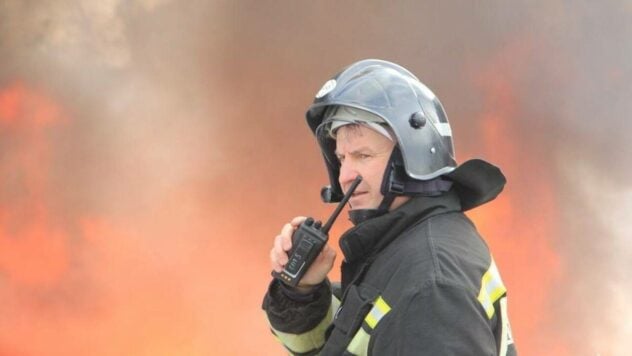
{"x": 150, "y": 151}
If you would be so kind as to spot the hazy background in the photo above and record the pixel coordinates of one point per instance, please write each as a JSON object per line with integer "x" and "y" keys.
{"x": 150, "y": 150}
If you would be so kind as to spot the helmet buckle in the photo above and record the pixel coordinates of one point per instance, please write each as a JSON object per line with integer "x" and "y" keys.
{"x": 396, "y": 187}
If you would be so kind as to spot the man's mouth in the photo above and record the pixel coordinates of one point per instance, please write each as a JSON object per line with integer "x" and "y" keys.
{"x": 355, "y": 197}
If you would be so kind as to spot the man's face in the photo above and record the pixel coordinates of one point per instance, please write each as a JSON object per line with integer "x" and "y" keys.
{"x": 363, "y": 151}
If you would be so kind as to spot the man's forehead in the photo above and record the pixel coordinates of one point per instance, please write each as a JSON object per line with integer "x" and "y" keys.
{"x": 357, "y": 137}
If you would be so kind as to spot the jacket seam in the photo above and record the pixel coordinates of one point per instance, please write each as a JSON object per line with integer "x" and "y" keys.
{"x": 433, "y": 252}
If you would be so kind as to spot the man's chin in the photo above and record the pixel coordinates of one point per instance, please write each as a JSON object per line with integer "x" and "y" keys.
{"x": 356, "y": 206}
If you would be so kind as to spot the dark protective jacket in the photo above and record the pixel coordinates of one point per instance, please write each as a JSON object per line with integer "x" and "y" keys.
{"x": 416, "y": 281}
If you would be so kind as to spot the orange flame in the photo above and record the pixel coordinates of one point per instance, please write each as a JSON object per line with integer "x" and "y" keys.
{"x": 97, "y": 288}
{"x": 154, "y": 284}
{"x": 521, "y": 240}
{"x": 32, "y": 248}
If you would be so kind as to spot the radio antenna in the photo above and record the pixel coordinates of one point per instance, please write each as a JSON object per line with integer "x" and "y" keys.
{"x": 341, "y": 205}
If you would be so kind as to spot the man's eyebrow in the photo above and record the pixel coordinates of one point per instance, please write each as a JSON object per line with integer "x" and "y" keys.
{"x": 363, "y": 149}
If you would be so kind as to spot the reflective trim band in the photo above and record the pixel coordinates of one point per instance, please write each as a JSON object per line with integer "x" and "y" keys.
{"x": 492, "y": 288}
{"x": 505, "y": 335}
{"x": 311, "y": 340}
{"x": 380, "y": 308}
{"x": 359, "y": 345}
{"x": 443, "y": 128}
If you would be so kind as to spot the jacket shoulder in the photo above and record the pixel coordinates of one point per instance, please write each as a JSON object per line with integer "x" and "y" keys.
{"x": 444, "y": 249}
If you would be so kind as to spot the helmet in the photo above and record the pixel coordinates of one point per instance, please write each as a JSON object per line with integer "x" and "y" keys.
{"x": 422, "y": 133}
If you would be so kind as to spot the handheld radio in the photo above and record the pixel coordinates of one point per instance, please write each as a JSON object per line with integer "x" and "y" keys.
{"x": 307, "y": 242}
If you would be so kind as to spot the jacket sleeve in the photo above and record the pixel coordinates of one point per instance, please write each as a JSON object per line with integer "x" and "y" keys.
{"x": 300, "y": 321}
{"x": 437, "y": 319}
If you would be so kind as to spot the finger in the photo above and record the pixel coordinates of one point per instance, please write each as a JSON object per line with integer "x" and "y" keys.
{"x": 328, "y": 254}
{"x": 280, "y": 255}
{"x": 287, "y": 229}
{"x": 286, "y": 237}
{"x": 274, "y": 261}
{"x": 297, "y": 221}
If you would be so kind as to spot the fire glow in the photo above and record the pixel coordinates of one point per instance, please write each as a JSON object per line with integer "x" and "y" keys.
{"x": 152, "y": 149}
{"x": 32, "y": 248}
{"x": 517, "y": 235}
{"x": 74, "y": 283}
{"x": 38, "y": 256}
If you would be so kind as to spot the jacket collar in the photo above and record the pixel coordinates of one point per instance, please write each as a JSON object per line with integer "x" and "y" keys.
{"x": 370, "y": 237}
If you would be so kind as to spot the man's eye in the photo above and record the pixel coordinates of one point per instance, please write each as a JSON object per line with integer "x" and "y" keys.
{"x": 363, "y": 156}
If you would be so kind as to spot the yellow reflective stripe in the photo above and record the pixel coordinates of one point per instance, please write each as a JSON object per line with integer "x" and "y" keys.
{"x": 359, "y": 345}
{"x": 492, "y": 288}
{"x": 311, "y": 340}
{"x": 380, "y": 308}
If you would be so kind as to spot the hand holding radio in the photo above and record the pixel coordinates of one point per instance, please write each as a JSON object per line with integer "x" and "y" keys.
{"x": 308, "y": 239}
{"x": 279, "y": 256}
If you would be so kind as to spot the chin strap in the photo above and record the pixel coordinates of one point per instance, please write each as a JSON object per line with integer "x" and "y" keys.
{"x": 360, "y": 215}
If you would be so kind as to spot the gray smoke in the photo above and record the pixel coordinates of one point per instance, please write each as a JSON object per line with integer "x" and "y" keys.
{"x": 208, "y": 98}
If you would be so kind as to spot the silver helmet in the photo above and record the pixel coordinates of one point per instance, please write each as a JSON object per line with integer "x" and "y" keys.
{"x": 411, "y": 111}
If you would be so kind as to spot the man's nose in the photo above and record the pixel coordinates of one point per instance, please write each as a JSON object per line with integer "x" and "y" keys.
{"x": 347, "y": 174}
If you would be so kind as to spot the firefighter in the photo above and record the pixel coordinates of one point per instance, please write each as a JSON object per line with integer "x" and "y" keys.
{"x": 417, "y": 278}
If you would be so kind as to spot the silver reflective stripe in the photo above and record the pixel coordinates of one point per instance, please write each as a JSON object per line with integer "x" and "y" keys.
{"x": 505, "y": 335}
{"x": 443, "y": 128}
{"x": 380, "y": 308}
{"x": 311, "y": 340}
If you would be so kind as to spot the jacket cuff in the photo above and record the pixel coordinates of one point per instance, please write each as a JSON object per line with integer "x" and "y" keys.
{"x": 293, "y": 312}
